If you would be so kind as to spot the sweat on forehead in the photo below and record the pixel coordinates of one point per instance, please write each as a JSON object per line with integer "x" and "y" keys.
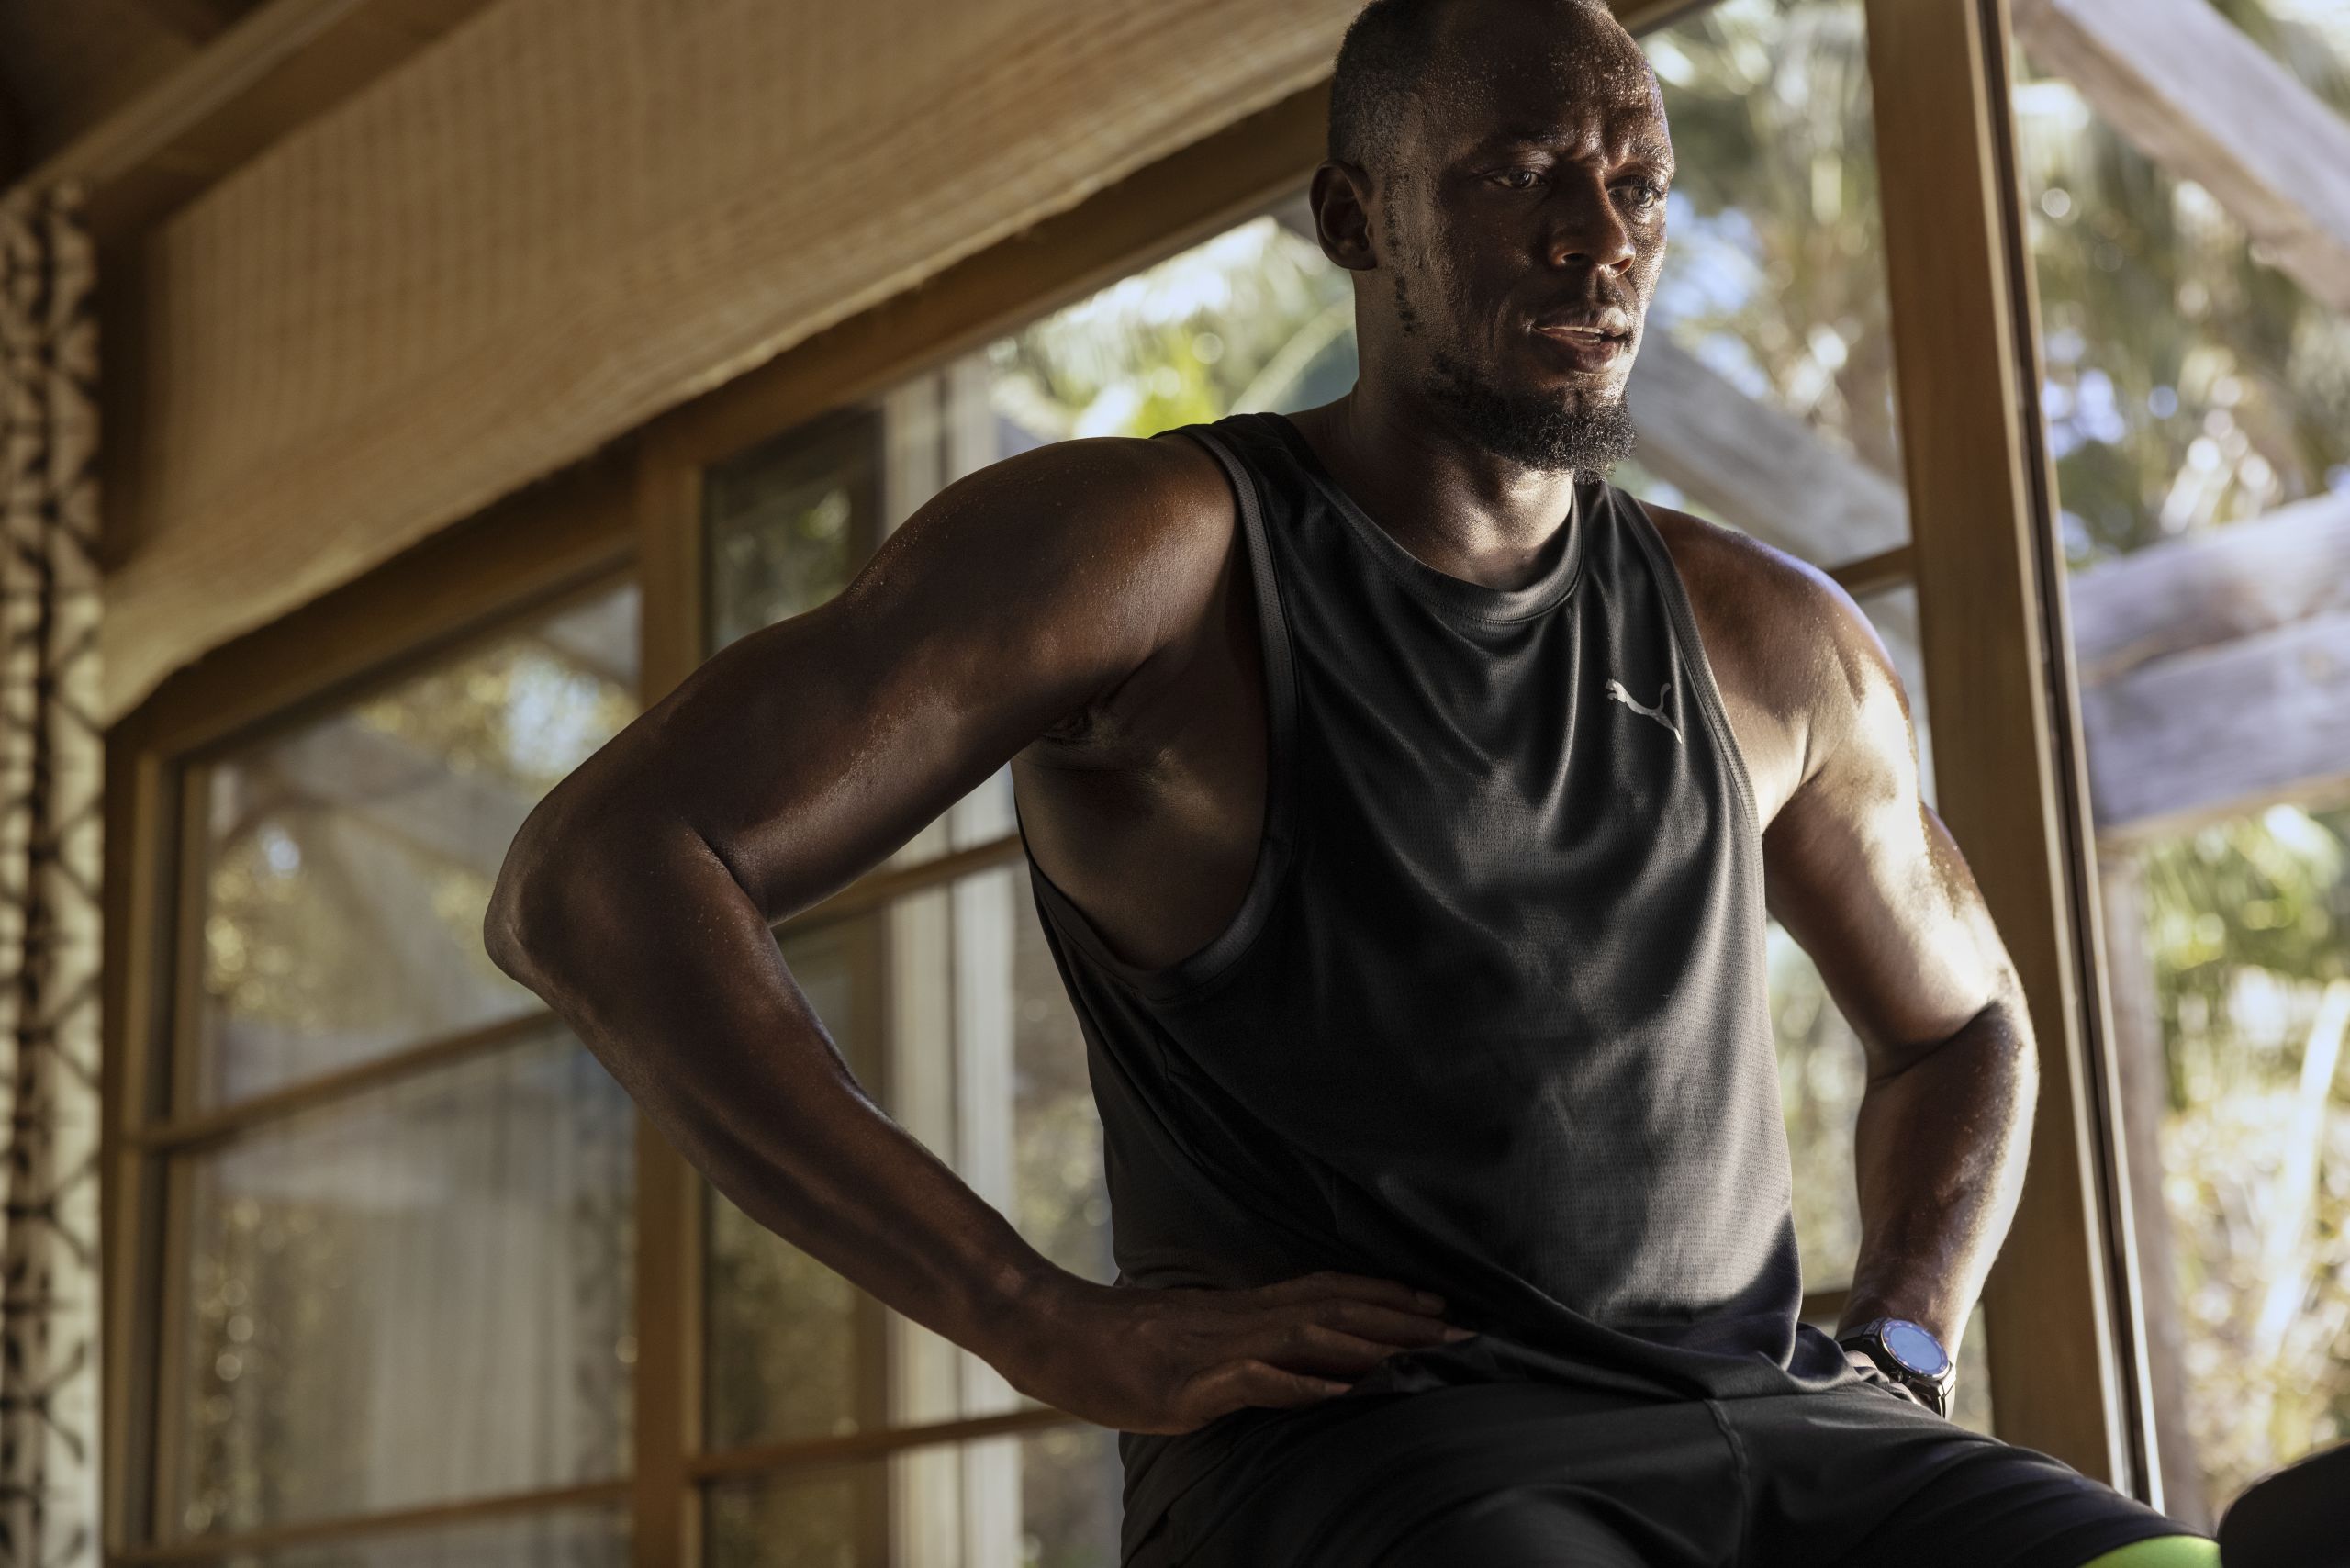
{"x": 1448, "y": 57}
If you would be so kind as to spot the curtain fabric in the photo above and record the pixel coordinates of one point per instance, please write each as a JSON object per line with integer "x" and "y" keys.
{"x": 51, "y": 774}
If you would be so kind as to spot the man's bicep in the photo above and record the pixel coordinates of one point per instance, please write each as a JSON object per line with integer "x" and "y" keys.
{"x": 806, "y": 751}
{"x": 1865, "y": 876}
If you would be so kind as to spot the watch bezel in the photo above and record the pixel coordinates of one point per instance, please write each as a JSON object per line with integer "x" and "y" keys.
{"x": 1885, "y": 1332}
{"x": 1935, "y": 1388}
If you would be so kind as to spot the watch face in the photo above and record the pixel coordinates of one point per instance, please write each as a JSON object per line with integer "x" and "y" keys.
{"x": 1915, "y": 1347}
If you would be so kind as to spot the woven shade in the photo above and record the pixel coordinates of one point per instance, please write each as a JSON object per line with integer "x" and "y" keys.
{"x": 569, "y": 215}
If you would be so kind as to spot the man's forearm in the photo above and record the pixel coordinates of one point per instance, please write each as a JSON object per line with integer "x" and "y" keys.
{"x": 1938, "y": 1150}
{"x": 661, "y": 964}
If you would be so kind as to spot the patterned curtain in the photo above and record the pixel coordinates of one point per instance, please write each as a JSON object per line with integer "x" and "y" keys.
{"x": 51, "y": 772}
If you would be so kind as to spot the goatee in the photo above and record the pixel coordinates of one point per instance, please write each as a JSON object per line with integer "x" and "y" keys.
{"x": 1533, "y": 431}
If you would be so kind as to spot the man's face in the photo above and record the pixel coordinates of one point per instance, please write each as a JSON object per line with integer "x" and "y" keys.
{"x": 1523, "y": 224}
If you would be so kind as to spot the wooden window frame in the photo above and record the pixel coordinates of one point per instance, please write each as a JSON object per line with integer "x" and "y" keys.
{"x": 542, "y": 549}
{"x": 2000, "y": 684}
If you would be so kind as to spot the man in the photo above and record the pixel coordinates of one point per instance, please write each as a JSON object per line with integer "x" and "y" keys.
{"x": 1401, "y": 802}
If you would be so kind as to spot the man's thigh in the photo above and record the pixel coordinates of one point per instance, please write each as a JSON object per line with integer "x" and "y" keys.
{"x": 1541, "y": 1467}
{"x": 1861, "y": 1476}
{"x": 1519, "y": 1528}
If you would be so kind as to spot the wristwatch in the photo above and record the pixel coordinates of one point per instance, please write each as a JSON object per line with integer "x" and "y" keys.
{"x": 1909, "y": 1354}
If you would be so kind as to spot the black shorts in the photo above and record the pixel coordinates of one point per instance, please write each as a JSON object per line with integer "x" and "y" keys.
{"x": 1538, "y": 1475}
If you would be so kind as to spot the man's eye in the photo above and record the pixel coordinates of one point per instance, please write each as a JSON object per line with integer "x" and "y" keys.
{"x": 1644, "y": 196}
{"x": 1509, "y": 179}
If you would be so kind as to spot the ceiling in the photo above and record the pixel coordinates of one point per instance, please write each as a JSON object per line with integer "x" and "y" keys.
{"x": 65, "y": 64}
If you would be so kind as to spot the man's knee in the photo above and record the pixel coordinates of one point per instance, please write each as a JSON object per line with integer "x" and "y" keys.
{"x": 2161, "y": 1552}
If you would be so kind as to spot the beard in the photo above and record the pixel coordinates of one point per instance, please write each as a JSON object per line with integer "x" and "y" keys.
{"x": 1532, "y": 430}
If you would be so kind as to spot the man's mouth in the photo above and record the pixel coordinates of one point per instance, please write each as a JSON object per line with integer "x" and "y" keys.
{"x": 1592, "y": 341}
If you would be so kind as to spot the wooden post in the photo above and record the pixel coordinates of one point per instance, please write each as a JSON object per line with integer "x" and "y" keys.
{"x": 666, "y": 1504}
{"x": 1997, "y": 682}
{"x": 2145, "y": 1095}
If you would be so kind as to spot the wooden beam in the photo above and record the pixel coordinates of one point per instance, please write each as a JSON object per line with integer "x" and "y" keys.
{"x": 2216, "y": 671}
{"x": 2209, "y": 105}
{"x": 1964, "y": 363}
{"x": 672, "y": 1197}
{"x": 1760, "y": 468}
{"x": 2222, "y": 730}
{"x": 1875, "y": 574}
{"x": 2214, "y": 588}
{"x": 246, "y": 1546}
{"x": 2144, "y": 1099}
{"x": 281, "y": 65}
{"x": 194, "y": 21}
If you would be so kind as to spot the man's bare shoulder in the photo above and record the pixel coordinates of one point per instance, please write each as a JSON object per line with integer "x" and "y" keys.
{"x": 1118, "y": 498}
{"x": 1111, "y": 542}
{"x": 1112, "y": 551}
{"x": 1018, "y": 603}
{"x": 1786, "y": 638}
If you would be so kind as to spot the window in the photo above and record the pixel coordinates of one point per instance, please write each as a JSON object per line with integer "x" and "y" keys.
{"x": 2193, "y": 384}
{"x": 397, "y": 1265}
{"x": 362, "y": 1110}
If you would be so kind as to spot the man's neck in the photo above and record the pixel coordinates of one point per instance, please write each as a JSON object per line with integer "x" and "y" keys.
{"x": 1457, "y": 507}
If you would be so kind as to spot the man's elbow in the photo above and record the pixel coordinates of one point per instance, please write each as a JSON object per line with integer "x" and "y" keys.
{"x": 501, "y": 934}
{"x": 515, "y": 930}
{"x": 2014, "y": 1034}
{"x": 534, "y": 905}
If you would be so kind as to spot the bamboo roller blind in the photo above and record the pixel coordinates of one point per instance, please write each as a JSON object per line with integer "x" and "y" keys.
{"x": 569, "y": 215}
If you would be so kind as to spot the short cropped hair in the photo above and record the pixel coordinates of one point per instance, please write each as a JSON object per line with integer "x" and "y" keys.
{"x": 1382, "y": 61}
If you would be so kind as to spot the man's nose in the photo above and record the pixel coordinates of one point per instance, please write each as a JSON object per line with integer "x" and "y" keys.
{"x": 1588, "y": 229}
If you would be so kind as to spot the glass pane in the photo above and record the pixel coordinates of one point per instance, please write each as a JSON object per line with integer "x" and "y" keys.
{"x": 2194, "y": 392}
{"x": 946, "y": 1005}
{"x": 572, "y": 1539}
{"x": 828, "y": 1518}
{"x": 790, "y": 520}
{"x": 420, "y": 1295}
{"x": 791, "y": 1348}
{"x": 1822, "y": 1074}
{"x": 1046, "y": 1499}
{"x": 1763, "y": 392}
{"x": 350, "y": 862}
{"x": 1255, "y": 317}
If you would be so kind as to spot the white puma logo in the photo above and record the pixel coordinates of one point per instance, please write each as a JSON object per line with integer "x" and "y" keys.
{"x": 1615, "y": 690}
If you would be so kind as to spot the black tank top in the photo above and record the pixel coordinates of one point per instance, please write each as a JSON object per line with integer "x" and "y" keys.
{"x": 1491, "y": 1016}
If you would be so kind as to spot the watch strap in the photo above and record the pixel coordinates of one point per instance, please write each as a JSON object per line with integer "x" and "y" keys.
{"x": 1934, "y": 1393}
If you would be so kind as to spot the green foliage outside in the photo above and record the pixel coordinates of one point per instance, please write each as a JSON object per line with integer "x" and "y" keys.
{"x": 2190, "y": 387}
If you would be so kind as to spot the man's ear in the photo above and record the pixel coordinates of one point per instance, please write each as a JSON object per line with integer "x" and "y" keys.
{"x": 1341, "y": 199}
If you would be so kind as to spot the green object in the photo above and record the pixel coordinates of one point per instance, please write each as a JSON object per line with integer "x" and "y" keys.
{"x": 2163, "y": 1551}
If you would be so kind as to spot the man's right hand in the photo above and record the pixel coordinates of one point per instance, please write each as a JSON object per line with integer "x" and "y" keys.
{"x": 1173, "y": 1359}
